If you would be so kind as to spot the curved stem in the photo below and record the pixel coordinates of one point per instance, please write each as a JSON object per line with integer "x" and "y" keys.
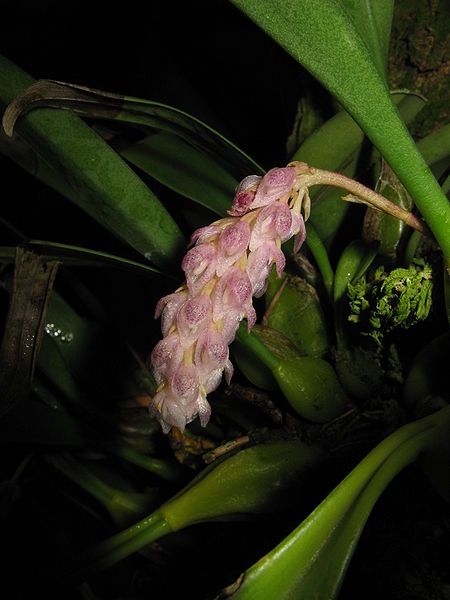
{"x": 168, "y": 471}
{"x": 121, "y": 545}
{"x": 256, "y": 347}
{"x": 309, "y": 176}
{"x": 320, "y": 254}
{"x": 81, "y": 476}
{"x": 411, "y": 247}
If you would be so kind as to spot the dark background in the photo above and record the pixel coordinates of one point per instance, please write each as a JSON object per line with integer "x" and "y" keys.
{"x": 201, "y": 56}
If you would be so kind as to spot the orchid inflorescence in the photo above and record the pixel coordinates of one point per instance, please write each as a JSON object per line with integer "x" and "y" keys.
{"x": 228, "y": 264}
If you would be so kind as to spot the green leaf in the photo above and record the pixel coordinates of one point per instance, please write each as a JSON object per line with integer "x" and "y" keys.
{"x": 293, "y": 308}
{"x": 332, "y": 145}
{"x": 258, "y": 479}
{"x": 98, "y": 104}
{"x": 436, "y": 146}
{"x": 353, "y": 263}
{"x": 184, "y": 169}
{"x": 320, "y": 255}
{"x": 373, "y": 20}
{"x": 89, "y": 363}
{"x": 82, "y": 257}
{"x": 311, "y": 562}
{"x": 124, "y": 506}
{"x": 320, "y": 35}
{"x": 100, "y": 182}
{"x": 77, "y": 340}
{"x": 70, "y": 254}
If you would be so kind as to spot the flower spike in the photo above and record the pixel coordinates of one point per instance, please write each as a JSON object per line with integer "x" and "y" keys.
{"x": 228, "y": 263}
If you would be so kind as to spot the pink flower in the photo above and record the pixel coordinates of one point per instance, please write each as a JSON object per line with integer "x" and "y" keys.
{"x": 232, "y": 300}
{"x": 168, "y": 308}
{"x": 275, "y": 184}
{"x": 193, "y": 316}
{"x": 170, "y": 410}
{"x": 211, "y": 358}
{"x": 233, "y": 243}
{"x": 205, "y": 234}
{"x": 245, "y": 195}
{"x": 273, "y": 222}
{"x": 166, "y": 357}
{"x": 199, "y": 266}
{"x": 259, "y": 264}
{"x": 229, "y": 263}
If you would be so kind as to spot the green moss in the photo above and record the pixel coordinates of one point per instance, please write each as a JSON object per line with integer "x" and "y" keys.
{"x": 398, "y": 299}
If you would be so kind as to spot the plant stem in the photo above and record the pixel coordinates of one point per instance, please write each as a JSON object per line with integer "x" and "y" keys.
{"x": 83, "y": 477}
{"x": 256, "y": 347}
{"x": 309, "y": 176}
{"x": 319, "y": 252}
{"x": 168, "y": 471}
{"x": 119, "y": 546}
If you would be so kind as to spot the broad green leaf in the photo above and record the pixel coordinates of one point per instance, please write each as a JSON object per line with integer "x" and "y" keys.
{"x": 320, "y": 35}
{"x": 75, "y": 254}
{"x": 373, "y": 20}
{"x": 97, "y": 104}
{"x": 17, "y": 149}
{"x": 76, "y": 340}
{"x": 101, "y": 183}
{"x": 81, "y": 257}
{"x": 184, "y": 169}
{"x": 311, "y": 562}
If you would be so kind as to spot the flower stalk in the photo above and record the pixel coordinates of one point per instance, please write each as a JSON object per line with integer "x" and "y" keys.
{"x": 309, "y": 176}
